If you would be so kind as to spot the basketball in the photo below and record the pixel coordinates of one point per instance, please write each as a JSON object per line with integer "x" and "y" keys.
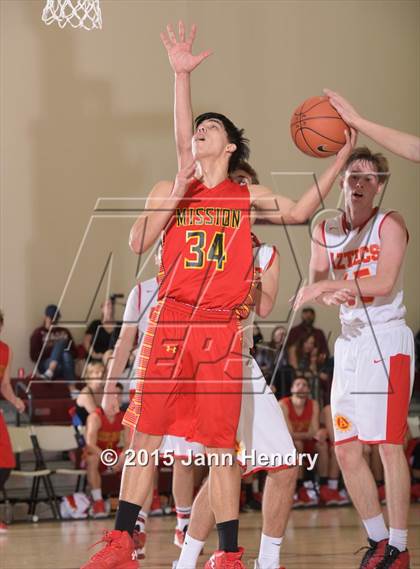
{"x": 317, "y": 129}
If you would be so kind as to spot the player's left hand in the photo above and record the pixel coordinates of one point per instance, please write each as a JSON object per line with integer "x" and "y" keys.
{"x": 180, "y": 52}
{"x": 351, "y": 140}
{"x": 336, "y": 298}
{"x": 314, "y": 291}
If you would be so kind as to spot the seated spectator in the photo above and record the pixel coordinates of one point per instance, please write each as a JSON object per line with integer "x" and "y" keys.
{"x": 103, "y": 432}
{"x": 303, "y": 357}
{"x": 90, "y": 397}
{"x": 306, "y": 328}
{"x": 303, "y": 417}
{"x": 53, "y": 348}
{"x": 257, "y": 334}
{"x": 267, "y": 356}
{"x": 99, "y": 336}
{"x": 7, "y": 458}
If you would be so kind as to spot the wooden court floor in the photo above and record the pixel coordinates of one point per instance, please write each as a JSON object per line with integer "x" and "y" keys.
{"x": 316, "y": 538}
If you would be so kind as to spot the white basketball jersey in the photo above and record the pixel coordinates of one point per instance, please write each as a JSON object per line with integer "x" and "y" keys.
{"x": 354, "y": 253}
{"x": 142, "y": 298}
{"x": 264, "y": 256}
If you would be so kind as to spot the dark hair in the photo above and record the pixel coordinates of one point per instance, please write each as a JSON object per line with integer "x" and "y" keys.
{"x": 120, "y": 386}
{"x": 308, "y": 309}
{"x": 273, "y": 333}
{"x": 378, "y": 160}
{"x": 300, "y": 377}
{"x": 246, "y": 167}
{"x": 235, "y": 136}
{"x": 300, "y": 343}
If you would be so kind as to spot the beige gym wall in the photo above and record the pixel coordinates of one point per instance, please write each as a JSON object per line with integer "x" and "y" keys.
{"x": 89, "y": 115}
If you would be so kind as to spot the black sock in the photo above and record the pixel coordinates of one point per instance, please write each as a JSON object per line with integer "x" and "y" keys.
{"x": 228, "y": 535}
{"x": 249, "y": 494}
{"x": 127, "y": 516}
{"x": 323, "y": 481}
{"x": 379, "y": 483}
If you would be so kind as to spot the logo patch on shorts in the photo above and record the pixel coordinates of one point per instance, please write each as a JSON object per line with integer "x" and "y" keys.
{"x": 172, "y": 349}
{"x": 342, "y": 423}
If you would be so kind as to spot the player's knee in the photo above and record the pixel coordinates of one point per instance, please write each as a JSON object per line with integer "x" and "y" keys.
{"x": 348, "y": 457}
{"x": 390, "y": 452}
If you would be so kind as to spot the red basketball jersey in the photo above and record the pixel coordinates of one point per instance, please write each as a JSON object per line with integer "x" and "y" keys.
{"x": 300, "y": 423}
{"x": 4, "y": 358}
{"x": 109, "y": 433}
{"x": 207, "y": 250}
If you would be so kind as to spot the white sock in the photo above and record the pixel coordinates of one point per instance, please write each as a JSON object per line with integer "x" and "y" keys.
{"x": 97, "y": 494}
{"x": 182, "y": 518}
{"x": 269, "y": 556}
{"x": 376, "y": 528}
{"x": 190, "y": 552}
{"x": 332, "y": 483}
{"x": 141, "y": 521}
{"x": 398, "y": 538}
{"x": 49, "y": 373}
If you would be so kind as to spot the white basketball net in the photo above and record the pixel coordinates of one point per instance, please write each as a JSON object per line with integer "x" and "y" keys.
{"x": 78, "y": 13}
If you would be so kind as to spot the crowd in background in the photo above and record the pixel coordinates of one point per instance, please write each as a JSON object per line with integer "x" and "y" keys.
{"x": 296, "y": 364}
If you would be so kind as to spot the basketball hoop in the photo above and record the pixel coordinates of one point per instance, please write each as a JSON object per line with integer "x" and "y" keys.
{"x": 78, "y": 13}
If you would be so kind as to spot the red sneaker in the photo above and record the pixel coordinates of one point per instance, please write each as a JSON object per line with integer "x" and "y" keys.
{"x": 179, "y": 537}
{"x": 394, "y": 559}
{"x": 3, "y": 527}
{"x": 225, "y": 560}
{"x": 374, "y": 554}
{"x": 330, "y": 497}
{"x": 415, "y": 492}
{"x": 381, "y": 494}
{"x": 98, "y": 509}
{"x": 156, "y": 506}
{"x": 307, "y": 499}
{"x": 139, "y": 539}
{"x": 117, "y": 554}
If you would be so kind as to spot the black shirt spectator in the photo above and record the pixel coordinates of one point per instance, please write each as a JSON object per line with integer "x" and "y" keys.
{"x": 99, "y": 335}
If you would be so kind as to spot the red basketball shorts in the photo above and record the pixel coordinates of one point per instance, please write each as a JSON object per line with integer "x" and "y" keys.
{"x": 189, "y": 375}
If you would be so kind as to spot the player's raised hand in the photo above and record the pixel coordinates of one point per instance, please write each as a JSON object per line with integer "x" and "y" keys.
{"x": 180, "y": 51}
{"x": 351, "y": 140}
{"x": 343, "y": 107}
{"x": 184, "y": 178}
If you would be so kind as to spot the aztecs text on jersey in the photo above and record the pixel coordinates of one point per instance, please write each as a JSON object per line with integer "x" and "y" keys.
{"x": 354, "y": 254}
{"x": 207, "y": 256}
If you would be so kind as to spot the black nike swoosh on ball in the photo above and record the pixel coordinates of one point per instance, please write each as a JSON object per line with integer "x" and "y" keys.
{"x": 321, "y": 148}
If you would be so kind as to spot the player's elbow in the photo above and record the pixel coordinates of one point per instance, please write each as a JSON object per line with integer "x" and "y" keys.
{"x": 299, "y": 215}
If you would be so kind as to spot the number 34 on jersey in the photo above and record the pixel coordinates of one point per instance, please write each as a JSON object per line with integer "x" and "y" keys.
{"x": 202, "y": 251}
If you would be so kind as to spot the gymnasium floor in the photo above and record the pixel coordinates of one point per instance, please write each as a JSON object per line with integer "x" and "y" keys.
{"x": 316, "y": 538}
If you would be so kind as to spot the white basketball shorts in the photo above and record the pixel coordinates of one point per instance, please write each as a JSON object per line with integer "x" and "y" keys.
{"x": 372, "y": 384}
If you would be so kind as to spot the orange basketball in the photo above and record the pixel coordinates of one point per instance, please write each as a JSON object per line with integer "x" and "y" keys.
{"x": 317, "y": 129}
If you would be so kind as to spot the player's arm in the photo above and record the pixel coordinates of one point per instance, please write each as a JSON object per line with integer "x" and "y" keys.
{"x": 280, "y": 209}
{"x": 7, "y": 390}
{"x": 401, "y": 143}
{"x": 159, "y": 208}
{"x": 183, "y": 62}
{"x": 319, "y": 270}
{"x": 393, "y": 244}
{"x": 93, "y": 424}
{"x": 268, "y": 288}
